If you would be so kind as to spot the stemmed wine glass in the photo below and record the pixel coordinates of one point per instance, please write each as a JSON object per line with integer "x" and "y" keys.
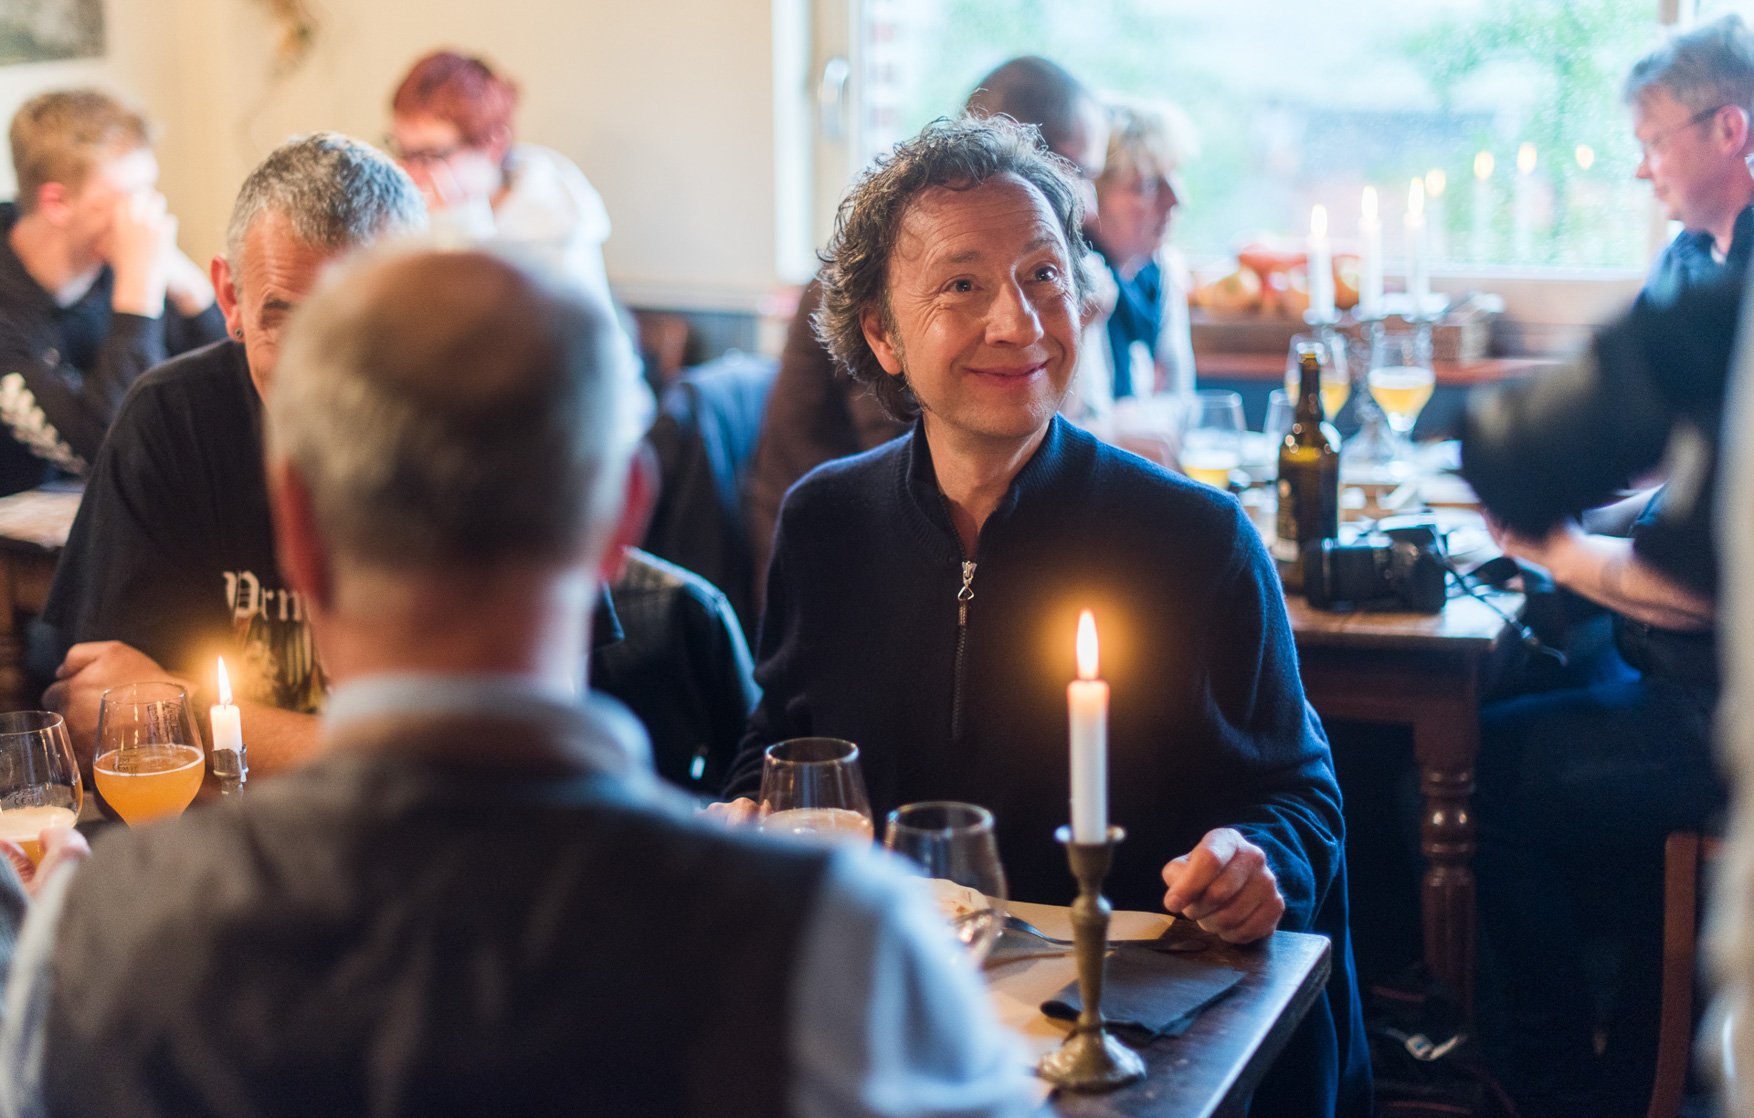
{"x": 1336, "y": 378}
{"x": 1212, "y": 444}
{"x": 149, "y": 755}
{"x": 1401, "y": 381}
{"x": 39, "y": 778}
{"x": 952, "y": 844}
{"x": 812, "y": 787}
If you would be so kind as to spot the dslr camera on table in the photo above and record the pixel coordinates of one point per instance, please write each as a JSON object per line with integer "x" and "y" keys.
{"x": 1398, "y": 564}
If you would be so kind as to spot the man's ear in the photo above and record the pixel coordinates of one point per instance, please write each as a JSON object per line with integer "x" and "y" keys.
{"x": 304, "y": 559}
{"x": 226, "y": 292}
{"x": 1740, "y": 135}
{"x": 877, "y": 337}
{"x": 636, "y": 511}
{"x": 52, "y": 199}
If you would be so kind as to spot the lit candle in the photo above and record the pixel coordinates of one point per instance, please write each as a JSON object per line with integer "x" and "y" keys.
{"x": 1482, "y": 204}
{"x": 226, "y": 719}
{"x": 1321, "y": 267}
{"x": 1436, "y": 182}
{"x": 1370, "y": 226}
{"x": 1523, "y": 212}
{"x": 1087, "y": 699}
{"x": 1418, "y": 275}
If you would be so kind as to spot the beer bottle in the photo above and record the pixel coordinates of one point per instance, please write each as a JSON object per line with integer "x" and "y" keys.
{"x": 1309, "y": 474}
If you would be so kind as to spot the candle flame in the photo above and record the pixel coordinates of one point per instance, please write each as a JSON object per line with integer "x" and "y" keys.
{"x": 224, "y": 685}
{"x": 1369, "y": 204}
{"x": 1525, "y": 158}
{"x": 1435, "y": 181}
{"x": 1586, "y": 156}
{"x": 1318, "y": 221}
{"x": 1483, "y": 165}
{"x": 1416, "y": 198}
{"x": 1087, "y": 650}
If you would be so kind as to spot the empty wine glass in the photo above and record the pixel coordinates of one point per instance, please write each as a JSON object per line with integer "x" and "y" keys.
{"x": 39, "y": 778}
{"x": 1280, "y": 414}
{"x": 953, "y": 845}
{"x": 1212, "y": 445}
{"x": 812, "y": 787}
{"x": 150, "y": 760}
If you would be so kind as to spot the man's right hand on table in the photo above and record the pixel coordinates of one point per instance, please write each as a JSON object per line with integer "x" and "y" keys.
{"x": 89, "y": 670}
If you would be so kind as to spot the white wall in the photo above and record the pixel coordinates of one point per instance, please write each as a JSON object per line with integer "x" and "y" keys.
{"x": 668, "y": 105}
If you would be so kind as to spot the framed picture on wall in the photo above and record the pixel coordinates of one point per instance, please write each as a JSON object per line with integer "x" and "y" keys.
{"x": 43, "y": 30}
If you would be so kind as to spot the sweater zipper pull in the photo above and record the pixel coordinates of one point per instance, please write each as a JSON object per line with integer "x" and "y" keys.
{"x": 966, "y": 594}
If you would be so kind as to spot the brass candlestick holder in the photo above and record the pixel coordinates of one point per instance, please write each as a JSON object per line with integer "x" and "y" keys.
{"x": 1091, "y": 1059}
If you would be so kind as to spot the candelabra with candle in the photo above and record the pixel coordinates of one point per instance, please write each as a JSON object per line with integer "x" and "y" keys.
{"x": 1091, "y": 1059}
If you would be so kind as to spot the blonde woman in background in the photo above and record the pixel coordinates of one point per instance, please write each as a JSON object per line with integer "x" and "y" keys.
{"x": 1136, "y": 196}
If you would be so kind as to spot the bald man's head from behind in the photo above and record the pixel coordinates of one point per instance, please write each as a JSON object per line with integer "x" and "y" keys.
{"x": 454, "y": 410}
{"x": 1032, "y": 90}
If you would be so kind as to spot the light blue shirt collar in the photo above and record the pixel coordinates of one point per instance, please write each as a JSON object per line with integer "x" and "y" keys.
{"x": 611, "y": 738}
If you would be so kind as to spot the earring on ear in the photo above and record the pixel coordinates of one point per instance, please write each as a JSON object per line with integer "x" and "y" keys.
{"x": 238, "y": 333}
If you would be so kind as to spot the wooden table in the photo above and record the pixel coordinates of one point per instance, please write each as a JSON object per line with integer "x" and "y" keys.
{"x": 1213, "y": 1067}
{"x": 33, "y": 530}
{"x": 1424, "y": 671}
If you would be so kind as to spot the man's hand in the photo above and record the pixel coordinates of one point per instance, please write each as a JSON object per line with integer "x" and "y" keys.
{"x": 142, "y": 237}
{"x": 1553, "y": 552}
{"x": 89, "y": 670}
{"x": 740, "y": 812}
{"x": 61, "y": 846}
{"x": 1224, "y": 885}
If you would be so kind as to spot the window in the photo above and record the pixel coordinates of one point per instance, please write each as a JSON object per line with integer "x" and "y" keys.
{"x": 1508, "y": 111}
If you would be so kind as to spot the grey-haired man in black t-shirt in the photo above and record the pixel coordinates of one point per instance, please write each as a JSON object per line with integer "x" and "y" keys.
{"x": 171, "y": 561}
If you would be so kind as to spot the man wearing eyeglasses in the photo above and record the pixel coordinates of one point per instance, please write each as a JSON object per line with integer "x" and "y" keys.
{"x": 1578, "y": 785}
{"x": 1692, "y": 101}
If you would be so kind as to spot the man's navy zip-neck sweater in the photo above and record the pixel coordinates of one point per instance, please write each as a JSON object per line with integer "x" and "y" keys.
{"x": 952, "y": 679}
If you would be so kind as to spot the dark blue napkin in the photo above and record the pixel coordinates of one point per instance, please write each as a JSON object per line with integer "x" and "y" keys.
{"x": 1148, "y": 994}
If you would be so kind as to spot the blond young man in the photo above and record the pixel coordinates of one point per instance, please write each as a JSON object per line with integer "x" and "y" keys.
{"x": 87, "y": 265}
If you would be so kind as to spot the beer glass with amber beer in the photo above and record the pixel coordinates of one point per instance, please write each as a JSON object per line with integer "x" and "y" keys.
{"x": 150, "y": 759}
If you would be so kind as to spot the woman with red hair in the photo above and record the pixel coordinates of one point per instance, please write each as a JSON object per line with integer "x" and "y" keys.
{"x": 451, "y": 130}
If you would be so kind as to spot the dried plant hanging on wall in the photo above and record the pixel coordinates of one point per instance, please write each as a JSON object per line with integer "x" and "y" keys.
{"x": 42, "y": 30}
{"x": 298, "y": 32}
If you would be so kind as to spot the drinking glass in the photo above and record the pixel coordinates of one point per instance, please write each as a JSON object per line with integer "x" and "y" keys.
{"x": 1401, "y": 378}
{"x": 952, "y": 844}
{"x": 1280, "y": 414}
{"x": 1212, "y": 445}
{"x": 149, "y": 757}
{"x": 1336, "y": 373}
{"x": 39, "y": 778}
{"x": 812, "y": 788}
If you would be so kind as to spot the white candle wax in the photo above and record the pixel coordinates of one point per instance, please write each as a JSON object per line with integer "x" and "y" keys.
{"x": 1370, "y": 227}
{"x": 1523, "y": 205}
{"x": 1320, "y": 267}
{"x": 225, "y": 719}
{"x": 1482, "y": 249}
{"x": 1418, "y": 275}
{"x": 1087, "y": 702}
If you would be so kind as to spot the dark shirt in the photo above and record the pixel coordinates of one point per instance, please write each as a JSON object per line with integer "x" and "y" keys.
{"x": 1208, "y": 727}
{"x": 1137, "y": 317}
{"x": 65, "y": 370}
{"x": 681, "y": 665}
{"x": 173, "y": 550}
{"x": 1688, "y": 261}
